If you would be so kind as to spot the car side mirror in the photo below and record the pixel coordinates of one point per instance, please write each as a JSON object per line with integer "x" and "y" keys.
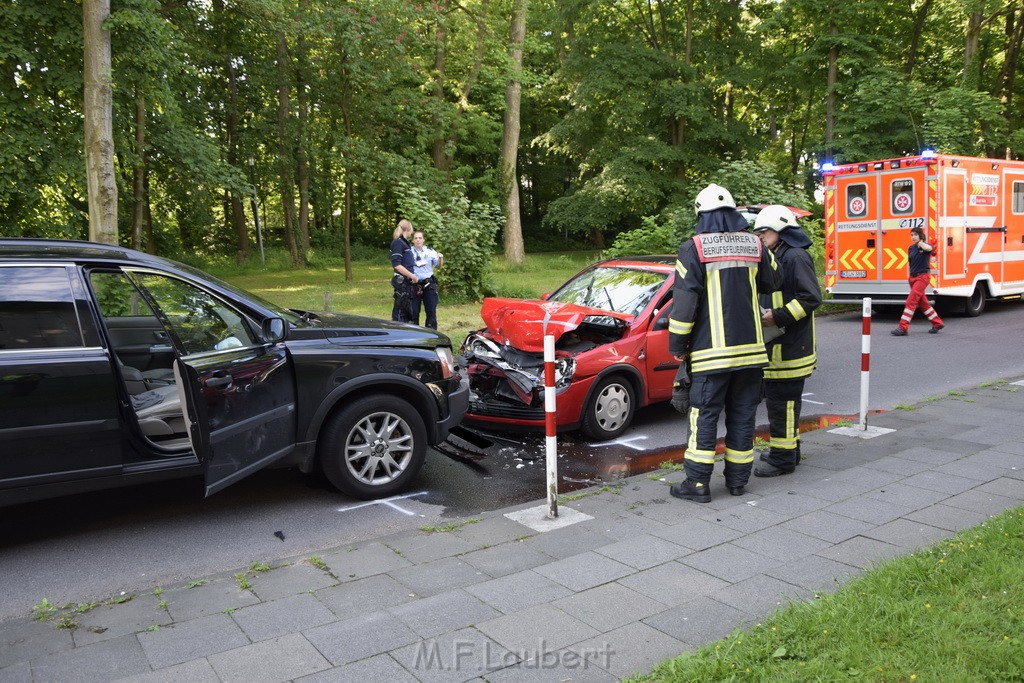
{"x": 545, "y": 297}
{"x": 660, "y": 323}
{"x": 274, "y": 330}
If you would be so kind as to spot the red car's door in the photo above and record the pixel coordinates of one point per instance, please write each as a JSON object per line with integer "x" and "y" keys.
{"x": 660, "y": 365}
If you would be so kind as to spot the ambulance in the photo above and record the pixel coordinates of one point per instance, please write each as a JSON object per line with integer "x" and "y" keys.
{"x": 971, "y": 209}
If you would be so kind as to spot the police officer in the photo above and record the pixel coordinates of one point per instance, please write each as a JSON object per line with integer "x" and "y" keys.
{"x": 716, "y": 321}
{"x": 404, "y": 280}
{"x": 791, "y": 355}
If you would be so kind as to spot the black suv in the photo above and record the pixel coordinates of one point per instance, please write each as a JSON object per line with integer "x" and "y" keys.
{"x": 118, "y": 367}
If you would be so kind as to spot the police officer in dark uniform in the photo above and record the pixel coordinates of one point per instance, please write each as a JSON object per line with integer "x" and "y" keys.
{"x": 404, "y": 280}
{"x": 716, "y": 321}
{"x": 791, "y": 356}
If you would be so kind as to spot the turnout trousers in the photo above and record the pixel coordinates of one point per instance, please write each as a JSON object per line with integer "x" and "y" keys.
{"x": 783, "y": 398}
{"x": 738, "y": 393}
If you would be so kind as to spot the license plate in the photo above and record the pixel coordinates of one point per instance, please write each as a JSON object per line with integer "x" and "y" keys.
{"x": 853, "y": 273}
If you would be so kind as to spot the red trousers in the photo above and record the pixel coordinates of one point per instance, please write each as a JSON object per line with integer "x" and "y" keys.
{"x": 918, "y": 299}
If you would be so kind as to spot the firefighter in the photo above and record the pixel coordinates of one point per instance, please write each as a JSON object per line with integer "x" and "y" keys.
{"x": 791, "y": 355}
{"x": 715, "y": 324}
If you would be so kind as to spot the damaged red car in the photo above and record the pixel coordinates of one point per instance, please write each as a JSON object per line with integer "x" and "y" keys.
{"x": 610, "y": 324}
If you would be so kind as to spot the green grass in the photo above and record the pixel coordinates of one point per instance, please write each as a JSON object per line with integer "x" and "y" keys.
{"x": 953, "y": 612}
{"x": 449, "y": 527}
{"x": 369, "y": 291}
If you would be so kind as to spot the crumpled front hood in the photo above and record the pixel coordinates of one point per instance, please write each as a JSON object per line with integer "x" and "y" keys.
{"x": 520, "y": 322}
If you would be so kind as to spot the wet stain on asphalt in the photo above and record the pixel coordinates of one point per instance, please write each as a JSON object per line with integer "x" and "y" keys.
{"x": 510, "y": 469}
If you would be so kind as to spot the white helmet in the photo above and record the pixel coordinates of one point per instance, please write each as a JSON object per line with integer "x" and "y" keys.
{"x": 774, "y": 217}
{"x": 713, "y": 197}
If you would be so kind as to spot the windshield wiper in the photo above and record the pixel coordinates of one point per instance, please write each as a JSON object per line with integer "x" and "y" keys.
{"x": 307, "y": 316}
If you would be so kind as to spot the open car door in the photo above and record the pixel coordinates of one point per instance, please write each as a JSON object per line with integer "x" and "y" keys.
{"x": 237, "y": 386}
{"x": 240, "y": 407}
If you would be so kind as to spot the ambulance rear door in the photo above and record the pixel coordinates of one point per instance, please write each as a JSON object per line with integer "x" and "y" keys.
{"x": 856, "y": 208}
{"x": 1013, "y": 219}
{"x": 903, "y": 206}
{"x": 953, "y": 223}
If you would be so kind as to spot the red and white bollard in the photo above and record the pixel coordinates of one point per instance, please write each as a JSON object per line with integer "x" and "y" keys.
{"x": 865, "y": 362}
{"x": 549, "y": 425}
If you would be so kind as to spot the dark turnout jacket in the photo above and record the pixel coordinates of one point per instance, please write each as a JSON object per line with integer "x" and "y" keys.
{"x": 792, "y": 355}
{"x": 715, "y": 314}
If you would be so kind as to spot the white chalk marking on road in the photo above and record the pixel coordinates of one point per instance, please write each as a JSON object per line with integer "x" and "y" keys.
{"x": 1019, "y": 384}
{"x": 387, "y": 502}
{"x": 806, "y": 400}
{"x": 623, "y": 442}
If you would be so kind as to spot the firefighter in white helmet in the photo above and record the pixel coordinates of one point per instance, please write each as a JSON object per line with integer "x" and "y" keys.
{"x": 715, "y": 322}
{"x": 791, "y": 355}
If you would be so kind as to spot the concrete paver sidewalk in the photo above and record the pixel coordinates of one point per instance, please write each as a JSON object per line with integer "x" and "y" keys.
{"x": 648, "y": 577}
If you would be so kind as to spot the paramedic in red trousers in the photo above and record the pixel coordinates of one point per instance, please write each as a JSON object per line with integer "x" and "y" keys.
{"x": 791, "y": 356}
{"x": 716, "y": 321}
{"x": 918, "y": 256}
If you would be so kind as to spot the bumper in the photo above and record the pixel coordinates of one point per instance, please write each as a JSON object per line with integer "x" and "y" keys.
{"x": 506, "y": 415}
{"x": 458, "y": 404}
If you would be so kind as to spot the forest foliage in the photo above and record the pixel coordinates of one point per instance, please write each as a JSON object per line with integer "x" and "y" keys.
{"x": 338, "y": 117}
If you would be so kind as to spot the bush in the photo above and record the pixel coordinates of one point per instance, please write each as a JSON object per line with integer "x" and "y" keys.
{"x": 462, "y": 230}
{"x": 656, "y": 235}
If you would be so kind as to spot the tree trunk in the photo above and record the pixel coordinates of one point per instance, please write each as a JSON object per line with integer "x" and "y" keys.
{"x": 346, "y": 122}
{"x": 1008, "y": 74}
{"x": 346, "y": 220}
{"x": 444, "y": 144}
{"x": 284, "y": 157}
{"x": 514, "y": 252}
{"x": 830, "y": 98}
{"x": 99, "y": 130}
{"x": 147, "y": 221}
{"x": 302, "y": 155}
{"x": 139, "y": 195}
{"x": 238, "y": 223}
{"x": 438, "y": 153}
{"x": 915, "y": 39}
{"x": 975, "y": 20}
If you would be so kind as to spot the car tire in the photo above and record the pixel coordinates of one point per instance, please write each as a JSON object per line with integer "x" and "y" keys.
{"x": 610, "y": 408}
{"x": 374, "y": 447}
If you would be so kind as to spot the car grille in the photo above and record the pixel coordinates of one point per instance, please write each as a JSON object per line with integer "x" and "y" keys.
{"x": 506, "y": 410}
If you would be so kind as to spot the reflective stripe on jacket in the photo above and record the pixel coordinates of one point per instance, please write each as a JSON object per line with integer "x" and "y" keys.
{"x": 715, "y": 314}
{"x": 792, "y": 355}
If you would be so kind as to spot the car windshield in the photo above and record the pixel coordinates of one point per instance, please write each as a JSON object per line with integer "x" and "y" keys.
{"x": 622, "y": 290}
{"x": 293, "y": 318}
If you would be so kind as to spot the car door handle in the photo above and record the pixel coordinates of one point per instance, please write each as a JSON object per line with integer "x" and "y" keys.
{"x": 218, "y": 380}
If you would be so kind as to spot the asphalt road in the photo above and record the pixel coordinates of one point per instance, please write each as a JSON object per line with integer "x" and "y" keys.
{"x": 92, "y": 547}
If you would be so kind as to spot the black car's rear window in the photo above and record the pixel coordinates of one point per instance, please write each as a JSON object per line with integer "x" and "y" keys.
{"x": 37, "y": 309}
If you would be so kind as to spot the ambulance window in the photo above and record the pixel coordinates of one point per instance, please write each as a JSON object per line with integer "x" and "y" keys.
{"x": 902, "y": 196}
{"x": 1018, "y": 196}
{"x": 857, "y": 200}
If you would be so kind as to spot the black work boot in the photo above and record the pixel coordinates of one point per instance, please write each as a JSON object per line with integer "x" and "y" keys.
{"x": 766, "y": 469}
{"x": 763, "y": 457}
{"x": 691, "y": 490}
{"x": 736, "y": 490}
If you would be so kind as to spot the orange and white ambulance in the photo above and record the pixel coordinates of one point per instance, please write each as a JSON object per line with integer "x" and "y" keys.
{"x": 972, "y": 211}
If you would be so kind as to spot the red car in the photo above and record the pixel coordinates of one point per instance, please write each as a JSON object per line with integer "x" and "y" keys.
{"x": 610, "y": 324}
